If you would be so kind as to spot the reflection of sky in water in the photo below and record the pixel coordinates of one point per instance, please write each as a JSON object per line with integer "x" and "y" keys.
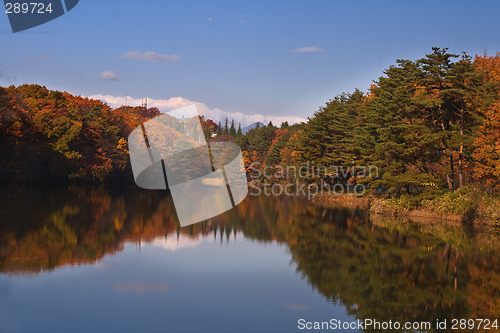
{"x": 173, "y": 242}
{"x": 169, "y": 285}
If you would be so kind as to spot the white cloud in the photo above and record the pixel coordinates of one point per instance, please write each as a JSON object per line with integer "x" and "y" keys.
{"x": 173, "y": 242}
{"x": 242, "y": 18}
{"x": 110, "y": 76}
{"x": 210, "y": 19}
{"x": 151, "y": 56}
{"x": 216, "y": 114}
{"x": 307, "y": 49}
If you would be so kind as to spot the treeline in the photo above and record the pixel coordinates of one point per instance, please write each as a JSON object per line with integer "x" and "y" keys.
{"x": 427, "y": 125}
{"x": 55, "y": 137}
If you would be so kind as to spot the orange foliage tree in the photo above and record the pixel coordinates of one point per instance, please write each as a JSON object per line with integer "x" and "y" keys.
{"x": 487, "y": 152}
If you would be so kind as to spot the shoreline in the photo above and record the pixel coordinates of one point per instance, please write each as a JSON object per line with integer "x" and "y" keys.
{"x": 482, "y": 214}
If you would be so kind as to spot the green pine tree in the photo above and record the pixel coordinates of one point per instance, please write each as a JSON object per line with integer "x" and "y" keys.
{"x": 232, "y": 130}
{"x": 219, "y": 129}
{"x": 239, "y": 133}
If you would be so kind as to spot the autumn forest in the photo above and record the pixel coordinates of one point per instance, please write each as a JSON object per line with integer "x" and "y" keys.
{"x": 429, "y": 125}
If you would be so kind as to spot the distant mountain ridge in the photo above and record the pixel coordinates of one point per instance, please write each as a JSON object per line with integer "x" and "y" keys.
{"x": 251, "y": 126}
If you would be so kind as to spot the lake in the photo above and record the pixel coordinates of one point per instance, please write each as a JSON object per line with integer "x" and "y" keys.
{"x": 87, "y": 259}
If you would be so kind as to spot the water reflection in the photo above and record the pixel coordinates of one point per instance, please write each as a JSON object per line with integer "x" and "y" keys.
{"x": 382, "y": 269}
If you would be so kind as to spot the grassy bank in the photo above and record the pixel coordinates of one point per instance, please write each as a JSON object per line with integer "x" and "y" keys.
{"x": 465, "y": 205}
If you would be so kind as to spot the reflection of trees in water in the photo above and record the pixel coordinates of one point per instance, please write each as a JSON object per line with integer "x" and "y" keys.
{"x": 378, "y": 273}
{"x": 383, "y": 270}
{"x": 42, "y": 229}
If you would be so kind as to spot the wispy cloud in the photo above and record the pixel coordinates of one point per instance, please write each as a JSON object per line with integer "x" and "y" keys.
{"x": 307, "y": 49}
{"x": 210, "y": 19}
{"x": 242, "y": 18}
{"x": 110, "y": 76}
{"x": 216, "y": 114}
{"x": 151, "y": 56}
{"x": 4, "y": 75}
{"x": 36, "y": 59}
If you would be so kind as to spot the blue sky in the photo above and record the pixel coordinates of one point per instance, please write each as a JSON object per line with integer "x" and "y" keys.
{"x": 237, "y": 57}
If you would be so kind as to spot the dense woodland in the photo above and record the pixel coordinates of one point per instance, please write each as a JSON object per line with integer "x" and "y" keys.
{"x": 428, "y": 125}
{"x": 51, "y": 136}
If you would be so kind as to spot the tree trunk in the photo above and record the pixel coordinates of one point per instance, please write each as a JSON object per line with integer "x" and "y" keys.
{"x": 452, "y": 171}
{"x": 449, "y": 176}
{"x": 461, "y": 151}
{"x": 460, "y": 167}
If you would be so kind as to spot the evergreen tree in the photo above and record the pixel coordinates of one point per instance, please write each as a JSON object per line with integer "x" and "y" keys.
{"x": 466, "y": 83}
{"x": 435, "y": 100}
{"x": 219, "y": 129}
{"x": 232, "y": 130}
{"x": 239, "y": 133}
{"x": 330, "y": 134}
{"x": 391, "y": 133}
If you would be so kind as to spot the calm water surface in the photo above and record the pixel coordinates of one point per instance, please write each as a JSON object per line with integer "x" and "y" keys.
{"x": 115, "y": 260}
